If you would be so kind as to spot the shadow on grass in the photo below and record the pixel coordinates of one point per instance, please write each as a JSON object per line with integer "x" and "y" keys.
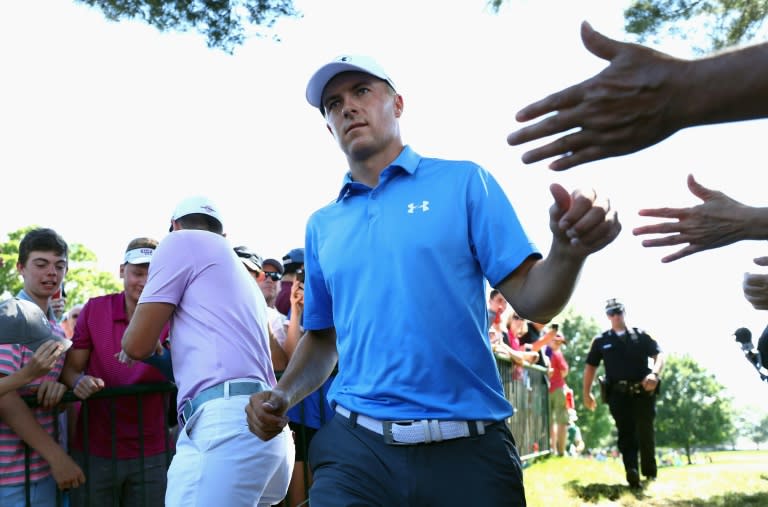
{"x": 596, "y": 492}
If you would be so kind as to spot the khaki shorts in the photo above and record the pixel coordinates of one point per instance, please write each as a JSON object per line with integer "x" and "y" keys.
{"x": 557, "y": 412}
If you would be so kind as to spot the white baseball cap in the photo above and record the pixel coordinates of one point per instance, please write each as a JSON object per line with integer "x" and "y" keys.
{"x": 342, "y": 63}
{"x": 196, "y": 204}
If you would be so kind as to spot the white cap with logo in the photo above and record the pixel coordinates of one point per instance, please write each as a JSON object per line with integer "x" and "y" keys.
{"x": 342, "y": 63}
{"x": 196, "y": 204}
{"x": 139, "y": 256}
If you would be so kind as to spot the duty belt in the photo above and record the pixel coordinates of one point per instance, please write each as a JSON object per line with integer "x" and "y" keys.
{"x": 630, "y": 387}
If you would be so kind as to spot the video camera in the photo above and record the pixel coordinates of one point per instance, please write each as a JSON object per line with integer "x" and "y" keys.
{"x": 757, "y": 356}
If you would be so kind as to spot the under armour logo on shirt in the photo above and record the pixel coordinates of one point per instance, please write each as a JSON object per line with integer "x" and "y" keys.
{"x": 424, "y": 207}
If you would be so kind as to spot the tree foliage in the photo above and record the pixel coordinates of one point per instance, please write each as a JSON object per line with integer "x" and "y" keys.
{"x": 224, "y": 23}
{"x": 82, "y": 281}
{"x": 692, "y": 411}
{"x": 725, "y": 22}
{"x": 754, "y": 427}
{"x": 595, "y": 426}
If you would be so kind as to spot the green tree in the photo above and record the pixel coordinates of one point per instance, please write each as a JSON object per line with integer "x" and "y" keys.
{"x": 596, "y": 426}
{"x": 692, "y": 411}
{"x": 725, "y": 22}
{"x": 755, "y": 429}
{"x": 222, "y": 22}
{"x": 83, "y": 281}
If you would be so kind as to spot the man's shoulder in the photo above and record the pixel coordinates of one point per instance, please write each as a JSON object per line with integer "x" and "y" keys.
{"x": 641, "y": 332}
{"x": 106, "y": 306}
{"x": 456, "y": 167}
{"x": 604, "y": 335}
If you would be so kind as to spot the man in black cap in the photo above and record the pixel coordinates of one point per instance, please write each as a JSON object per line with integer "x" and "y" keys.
{"x": 631, "y": 388}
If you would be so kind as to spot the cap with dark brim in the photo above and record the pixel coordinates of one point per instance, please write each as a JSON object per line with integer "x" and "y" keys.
{"x": 275, "y": 264}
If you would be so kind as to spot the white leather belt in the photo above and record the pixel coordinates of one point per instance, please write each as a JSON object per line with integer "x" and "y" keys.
{"x": 422, "y": 431}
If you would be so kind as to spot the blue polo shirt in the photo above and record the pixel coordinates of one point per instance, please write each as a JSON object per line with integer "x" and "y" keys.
{"x": 399, "y": 270}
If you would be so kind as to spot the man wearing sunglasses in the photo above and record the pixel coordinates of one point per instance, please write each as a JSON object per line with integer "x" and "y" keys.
{"x": 631, "y": 388}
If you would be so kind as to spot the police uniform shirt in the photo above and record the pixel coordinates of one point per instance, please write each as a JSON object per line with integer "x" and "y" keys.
{"x": 625, "y": 356}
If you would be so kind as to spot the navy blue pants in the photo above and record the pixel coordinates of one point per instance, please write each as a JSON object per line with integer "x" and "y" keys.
{"x": 634, "y": 417}
{"x": 353, "y": 466}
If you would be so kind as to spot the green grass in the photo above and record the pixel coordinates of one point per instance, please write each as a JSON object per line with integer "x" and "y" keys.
{"x": 738, "y": 478}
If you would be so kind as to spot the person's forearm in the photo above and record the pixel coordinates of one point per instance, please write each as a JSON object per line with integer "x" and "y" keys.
{"x": 729, "y": 86}
{"x": 18, "y": 416}
{"x": 547, "y": 287}
{"x": 755, "y": 223}
{"x": 310, "y": 366}
{"x": 293, "y": 333}
{"x": 74, "y": 366}
{"x": 279, "y": 357}
{"x": 544, "y": 340}
{"x": 658, "y": 364}
{"x": 16, "y": 380}
{"x": 589, "y": 377}
{"x": 144, "y": 329}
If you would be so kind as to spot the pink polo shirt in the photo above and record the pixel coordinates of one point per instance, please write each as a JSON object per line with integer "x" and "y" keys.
{"x": 100, "y": 329}
{"x": 219, "y": 325}
{"x": 14, "y": 357}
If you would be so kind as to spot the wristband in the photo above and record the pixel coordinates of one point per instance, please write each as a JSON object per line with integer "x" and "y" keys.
{"x": 77, "y": 380}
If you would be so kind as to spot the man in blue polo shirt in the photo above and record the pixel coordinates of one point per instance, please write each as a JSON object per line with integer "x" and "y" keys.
{"x": 418, "y": 399}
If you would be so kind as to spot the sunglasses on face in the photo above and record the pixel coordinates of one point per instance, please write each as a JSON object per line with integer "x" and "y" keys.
{"x": 612, "y": 313}
{"x": 274, "y": 275}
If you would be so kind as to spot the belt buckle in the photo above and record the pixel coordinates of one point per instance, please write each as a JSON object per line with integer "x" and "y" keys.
{"x": 386, "y": 429}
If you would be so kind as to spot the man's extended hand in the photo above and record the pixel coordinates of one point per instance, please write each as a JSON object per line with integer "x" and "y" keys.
{"x": 581, "y": 222}
{"x": 621, "y": 110}
{"x": 756, "y": 286}
{"x": 718, "y": 221}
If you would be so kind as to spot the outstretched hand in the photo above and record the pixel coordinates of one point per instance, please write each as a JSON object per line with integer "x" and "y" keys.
{"x": 266, "y": 414}
{"x": 718, "y": 221}
{"x": 756, "y": 286}
{"x": 621, "y": 110}
{"x": 580, "y": 222}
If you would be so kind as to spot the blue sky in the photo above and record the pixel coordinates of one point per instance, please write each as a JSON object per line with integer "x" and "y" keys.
{"x": 105, "y": 126}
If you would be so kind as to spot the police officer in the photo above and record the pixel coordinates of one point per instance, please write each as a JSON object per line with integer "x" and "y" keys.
{"x": 631, "y": 387}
